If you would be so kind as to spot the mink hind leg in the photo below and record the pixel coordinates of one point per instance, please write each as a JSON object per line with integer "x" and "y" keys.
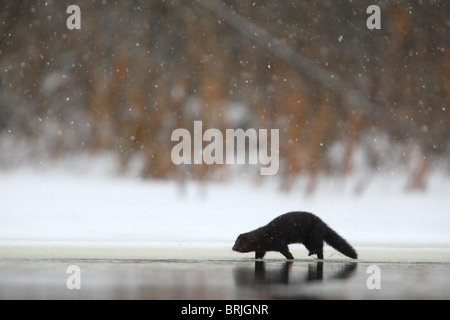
{"x": 314, "y": 245}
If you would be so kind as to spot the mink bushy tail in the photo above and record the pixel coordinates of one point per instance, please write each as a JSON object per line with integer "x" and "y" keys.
{"x": 340, "y": 244}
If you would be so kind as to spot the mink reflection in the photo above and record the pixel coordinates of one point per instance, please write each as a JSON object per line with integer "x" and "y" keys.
{"x": 291, "y": 273}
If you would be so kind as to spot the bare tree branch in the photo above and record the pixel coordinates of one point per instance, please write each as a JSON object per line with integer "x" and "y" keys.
{"x": 354, "y": 98}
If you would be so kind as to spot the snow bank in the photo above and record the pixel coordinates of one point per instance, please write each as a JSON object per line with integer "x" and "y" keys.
{"x": 59, "y": 206}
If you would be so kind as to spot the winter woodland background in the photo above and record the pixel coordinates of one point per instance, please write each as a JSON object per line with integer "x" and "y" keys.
{"x": 137, "y": 70}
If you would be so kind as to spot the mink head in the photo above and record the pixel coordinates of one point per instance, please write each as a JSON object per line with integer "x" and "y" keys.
{"x": 245, "y": 243}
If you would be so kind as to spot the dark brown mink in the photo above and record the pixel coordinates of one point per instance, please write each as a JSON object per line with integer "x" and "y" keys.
{"x": 293, "y": 227}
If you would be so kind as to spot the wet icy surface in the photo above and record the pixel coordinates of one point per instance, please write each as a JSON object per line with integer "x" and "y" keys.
{"x": 403, "y": 273}
{"x": 227, "y": 279}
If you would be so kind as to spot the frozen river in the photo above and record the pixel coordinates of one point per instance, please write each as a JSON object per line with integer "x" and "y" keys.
{"x": 381, "y": 273}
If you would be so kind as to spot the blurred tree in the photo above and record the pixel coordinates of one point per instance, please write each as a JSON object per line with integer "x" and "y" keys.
{"x": 137, "y": 70}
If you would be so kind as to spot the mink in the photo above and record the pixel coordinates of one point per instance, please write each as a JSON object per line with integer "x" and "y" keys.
{"x": 293, "y": 227}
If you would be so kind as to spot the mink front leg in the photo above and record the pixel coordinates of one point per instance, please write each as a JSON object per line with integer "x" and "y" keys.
{"x": 259, "y": 254}
{"x": 285, "y": 252}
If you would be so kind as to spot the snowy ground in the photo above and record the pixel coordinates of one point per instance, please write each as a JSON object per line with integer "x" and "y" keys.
{"x": 70, "y": 208}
